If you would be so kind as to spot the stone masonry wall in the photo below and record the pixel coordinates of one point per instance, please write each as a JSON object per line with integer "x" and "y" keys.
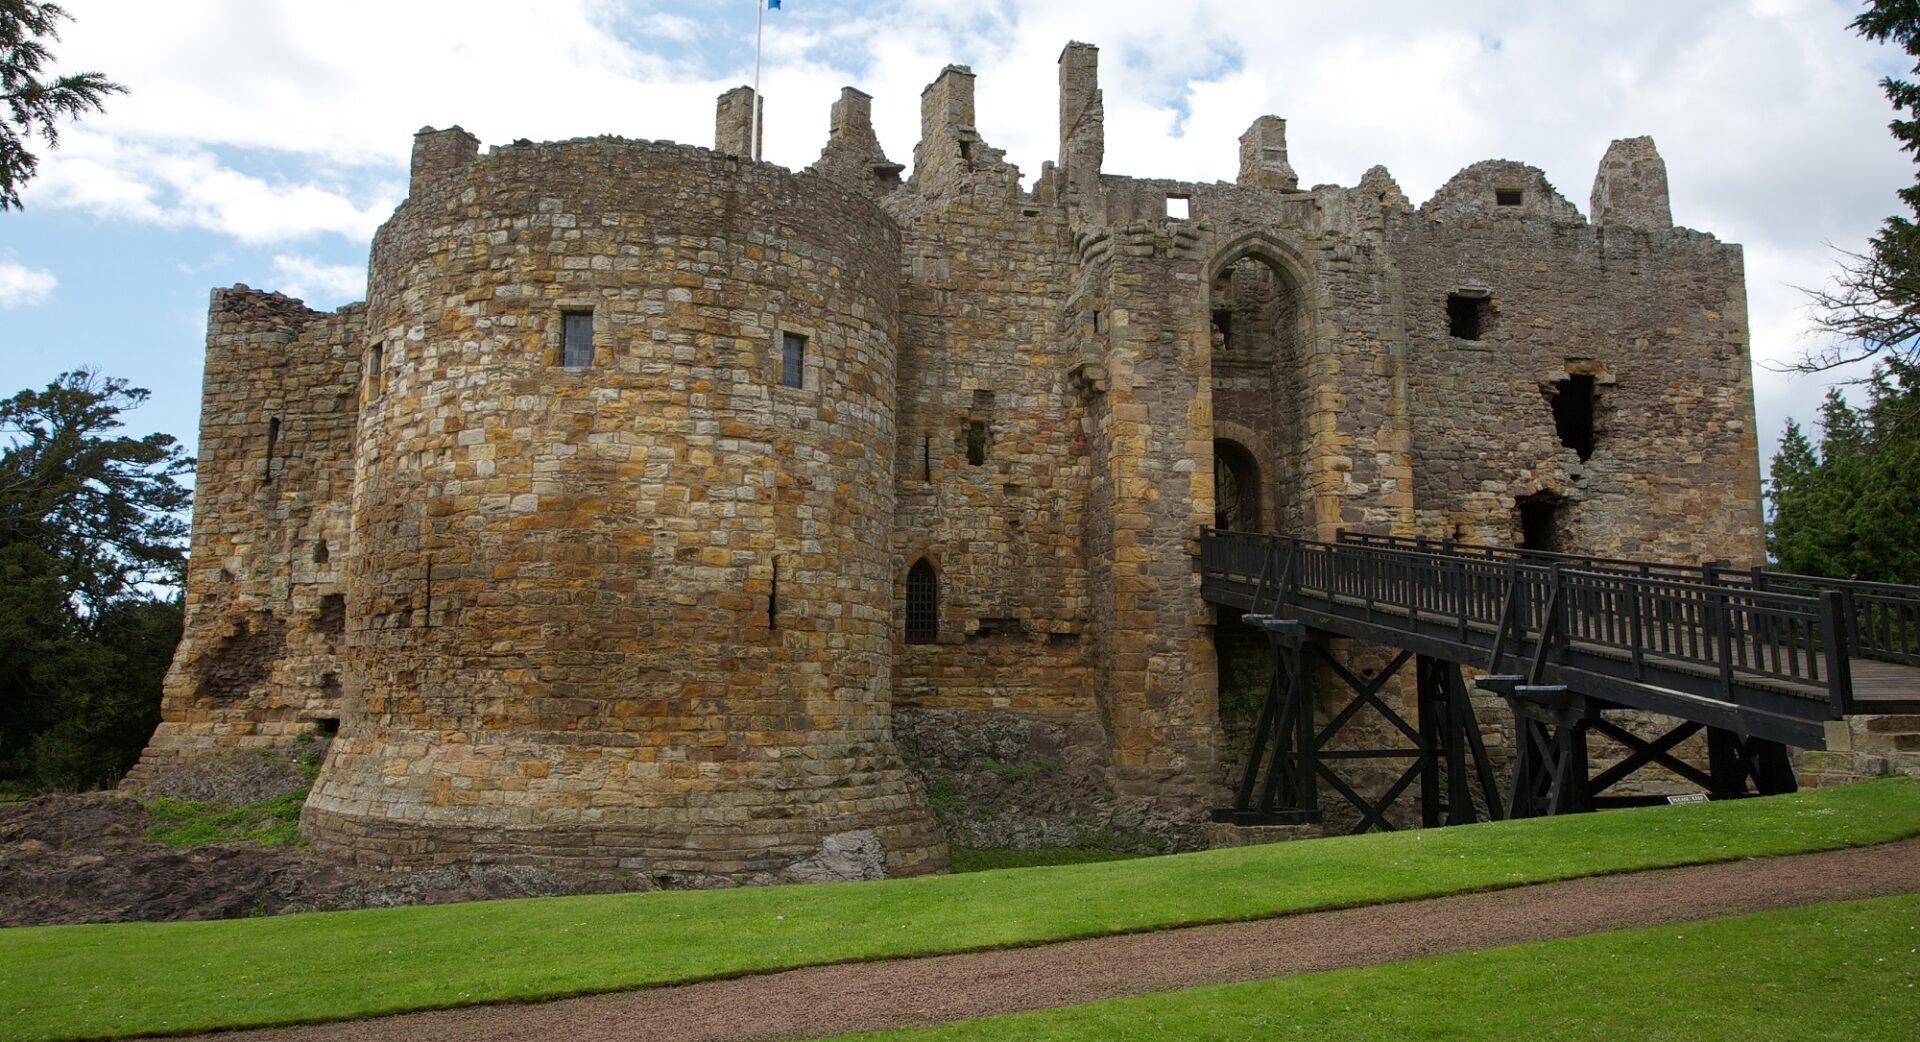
{"x": 633, "y": 613}
{"x": 261, "y": 658}
{"x": 1656, "y": 317}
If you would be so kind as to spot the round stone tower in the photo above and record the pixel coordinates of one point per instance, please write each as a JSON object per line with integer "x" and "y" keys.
{"x": 618, "y": 587}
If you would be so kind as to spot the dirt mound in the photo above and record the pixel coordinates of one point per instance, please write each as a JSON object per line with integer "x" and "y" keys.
{"x": 87, "y": 859}
{"x": 238, "y": 778}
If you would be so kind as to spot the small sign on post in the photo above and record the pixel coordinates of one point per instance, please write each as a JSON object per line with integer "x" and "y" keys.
{"x": 1688, "y": 797}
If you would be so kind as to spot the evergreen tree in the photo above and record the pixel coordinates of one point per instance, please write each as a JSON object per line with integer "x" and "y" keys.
{"x": 1852, "y": 510}
{"x": 1873, "y": 308}
{"x": 91, "y": 541}
{"x": 32, "y": 105}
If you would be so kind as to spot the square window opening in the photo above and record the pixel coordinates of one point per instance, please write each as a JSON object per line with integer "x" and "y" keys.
{"x": 576, "y": 343}
{"x": 1508, "y": 197}
{"x": 1467, "y": 316}
{"x": 793, "y": 360}
{"x": 1179, "y": 207}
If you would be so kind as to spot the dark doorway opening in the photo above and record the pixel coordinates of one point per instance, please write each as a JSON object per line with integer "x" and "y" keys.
{"x": 1542, "y": 522}
{"x": 1574, "y": 401}
{"x": 1236, "y": 487}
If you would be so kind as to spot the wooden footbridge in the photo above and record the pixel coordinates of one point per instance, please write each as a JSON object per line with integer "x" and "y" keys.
{"x": 1759, "y": 660}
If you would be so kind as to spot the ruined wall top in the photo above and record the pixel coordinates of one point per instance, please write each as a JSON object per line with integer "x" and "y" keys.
{"x": 853, "y": 153}
{"x": 440, "y": 152}
{"x": 1630, "y": 188}
{"x": 733, "y": 124}
{"x": 1501, "y": 188}
{"x": 1263, "y": 156}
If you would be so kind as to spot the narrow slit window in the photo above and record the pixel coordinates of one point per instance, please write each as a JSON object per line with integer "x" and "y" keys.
{"x": 1179, "y": 207}
{"x": 376, "y": 370}
{"x": 793, "y": 360}
{"x": 977, "y": 443}
{"x": 273, "y": 443}
{"x": 576, "y": 347}
{"x": 923, "y": 603}
{"x": 1467, "y": 316}
{"x": 773, "y": 596}
{"x": 1508, "y": 197}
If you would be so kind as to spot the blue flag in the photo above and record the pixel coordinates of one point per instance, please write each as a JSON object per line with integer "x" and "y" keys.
{"x": 773, "y": 5}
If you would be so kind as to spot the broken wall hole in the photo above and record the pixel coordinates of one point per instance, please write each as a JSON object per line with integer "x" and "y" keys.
{"x": 1575, "y": 402}
{"x": 331, "y": 619}
{"x": 242, "y": 660}
{"x": 327, "y": 727}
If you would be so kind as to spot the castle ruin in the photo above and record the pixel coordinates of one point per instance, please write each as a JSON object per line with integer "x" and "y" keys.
{"x": 652, "y": 487}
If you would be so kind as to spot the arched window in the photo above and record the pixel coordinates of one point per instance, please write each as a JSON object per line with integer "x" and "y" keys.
{"x": 923, "y": 603}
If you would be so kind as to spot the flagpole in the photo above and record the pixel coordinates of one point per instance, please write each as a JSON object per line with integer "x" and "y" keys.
{"x": 759, "y": 21}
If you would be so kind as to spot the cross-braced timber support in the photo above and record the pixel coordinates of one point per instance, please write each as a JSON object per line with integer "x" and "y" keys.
{"x": 1288, "y": 755}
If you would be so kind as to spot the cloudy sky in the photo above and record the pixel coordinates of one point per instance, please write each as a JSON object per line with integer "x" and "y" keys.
{"x": 263, "y": 141}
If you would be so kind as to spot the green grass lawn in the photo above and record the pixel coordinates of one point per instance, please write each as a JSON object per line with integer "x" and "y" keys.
{"x": 124, "y": 979}
{"x": 1843, "y": 972}
{"x": 273, "y": 822}
{"x": 987, "y": 859}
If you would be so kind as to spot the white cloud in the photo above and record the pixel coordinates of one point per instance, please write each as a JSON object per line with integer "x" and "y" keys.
{"x": 318, "y": 282}
{"x": 185, "y": 186}
{"x": 276, "y": 122}
{"x": 21, "y": 286}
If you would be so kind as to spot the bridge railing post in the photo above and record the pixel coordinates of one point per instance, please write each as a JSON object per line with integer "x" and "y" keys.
{"x": 1722, "y": 620}
{"x": 1835, "y": 646}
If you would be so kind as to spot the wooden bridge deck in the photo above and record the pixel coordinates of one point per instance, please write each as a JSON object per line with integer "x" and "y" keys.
{"x": 1885, "y": 687}
{"x": 1748, "y": 652}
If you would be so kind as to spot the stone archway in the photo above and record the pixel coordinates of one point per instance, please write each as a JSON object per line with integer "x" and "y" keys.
{"x": 1260, "y": 325}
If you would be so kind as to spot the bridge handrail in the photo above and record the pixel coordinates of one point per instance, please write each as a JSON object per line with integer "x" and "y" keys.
{"x": 1737, "y": 631}
{"x": 1883, "y": 619}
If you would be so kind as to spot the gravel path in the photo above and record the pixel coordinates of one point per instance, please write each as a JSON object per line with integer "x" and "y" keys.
{"x": 827, "y": 1000}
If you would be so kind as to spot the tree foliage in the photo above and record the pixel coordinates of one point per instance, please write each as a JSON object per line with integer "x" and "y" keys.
{"x": 1851, "y": 508}
{"x": 35, "y": 104}
{"x": 1873, "y": 305}
{"x": 91, "y": 545}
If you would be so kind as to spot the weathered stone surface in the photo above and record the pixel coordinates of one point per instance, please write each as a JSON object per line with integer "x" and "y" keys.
{"x": 652, "y": 612}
